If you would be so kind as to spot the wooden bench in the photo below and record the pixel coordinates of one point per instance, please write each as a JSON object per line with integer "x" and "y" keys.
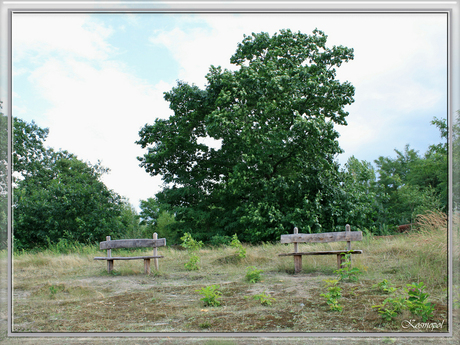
{"x": 136, "y": 243}
{"x": 346, "y": 235}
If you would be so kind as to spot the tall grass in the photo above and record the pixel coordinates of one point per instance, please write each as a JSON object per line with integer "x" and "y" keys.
{"x": 413, "y": 257}
{"x": 420, "y": 255}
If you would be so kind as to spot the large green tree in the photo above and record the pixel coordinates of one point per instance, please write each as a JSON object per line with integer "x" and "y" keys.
{"x": 274, "y": 119}
{"x": 57, "y": 196}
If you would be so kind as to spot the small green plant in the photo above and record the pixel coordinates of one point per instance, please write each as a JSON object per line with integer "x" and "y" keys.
{"x": 348, "y": 273}
{"x": 190, "y": 243}
{"x": 210, "y": 295}
{"x": 385, "y": 286}
{"x": 333, "y": 294}
{"x": 192, "y": 264}
{"x": 264, "y": 299}
{"x": 391, "y": 307}
{"x": 253, "y": 274}
{"x": 330, "y": 282}
{"x": 416, "y": 302}
{"x": 54, "y": 289}
{"x": 205, "y": 325}
{"x": 192, "y": 246}
{"x": 240, "y": 250}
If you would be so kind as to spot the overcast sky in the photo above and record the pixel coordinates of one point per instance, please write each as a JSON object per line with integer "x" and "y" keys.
{"x": 96, "y": 79}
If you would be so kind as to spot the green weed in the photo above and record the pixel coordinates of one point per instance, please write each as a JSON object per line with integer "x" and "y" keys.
{"x": 192, "y": 246}
{"x": 415, "y": 302}
{"x": 210, "y": 295}
{"x": 333, "y": 294}
{"x": 264, "y": 299}
{"x": 385, "y": 287}
{"x": 240, "y": 250}
{"x": 391, "y": 307}
{"x": 253, "y": 274}
{"x": 192, "y": 264}
{"x": 348, "y": 273}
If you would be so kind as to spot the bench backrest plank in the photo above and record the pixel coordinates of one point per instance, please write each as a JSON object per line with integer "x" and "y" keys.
{"x": 135, "y": 243}
{"x": 323, "y": 237}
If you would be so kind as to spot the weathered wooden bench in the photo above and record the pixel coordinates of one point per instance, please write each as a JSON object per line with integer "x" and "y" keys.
{"x": 135, "y": 243}
{"x": 346, "y": 235}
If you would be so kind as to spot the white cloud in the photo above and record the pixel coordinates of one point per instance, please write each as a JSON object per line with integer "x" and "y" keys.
{"x": 195, "y": 50}
{"x": 41, "y": 34}
{"x": 97, "y": 113}
{"x": 96, "y": 107}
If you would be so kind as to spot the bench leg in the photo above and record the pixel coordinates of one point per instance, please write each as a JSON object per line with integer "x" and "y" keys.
{"x": 147, "y": 266}
{"x": 340, "y": 261}
{"x": 297, "y": 263}
{"x": 109, "y": 266}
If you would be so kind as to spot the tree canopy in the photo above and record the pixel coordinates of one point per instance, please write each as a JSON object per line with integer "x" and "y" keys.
{"x": 57, "y": 196}
{"x": 274, "y": 118}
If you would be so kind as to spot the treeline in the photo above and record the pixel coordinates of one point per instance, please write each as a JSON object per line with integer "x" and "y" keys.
{"x": 58, "y": 197}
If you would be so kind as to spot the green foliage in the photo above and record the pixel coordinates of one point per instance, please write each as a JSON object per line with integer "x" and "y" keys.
{"x": 54, "y": 289}
{"x": 190, "y": 243}
{"x": 220, "y": 240}
{"x": 240, "y": 250}
{"x": 333, "y": 295}
{"x": 415, "y": 302}
{"x": 347, "y": 272}
{"x": 253, "y": 275}
{"x": 192, "y": 246}
{"x": 411, "y": 184}
{"x": 57, "y": 196}
{"x": 385, "y": 287}
{"x": 264, "y": 299}
{"x": 130, "y": 220}
{"x": 272, "y": 120}
{"x": 165, "y": 227}
{"x": 29, "y": 151}
{"x": 205, "y": 325}
{"x": 359, "y": 182}
{"x": 211, "y": 295}
{"x": 391, "y": 307}
{"x": 193, "y": 263}
{"x": 156, "y": 218}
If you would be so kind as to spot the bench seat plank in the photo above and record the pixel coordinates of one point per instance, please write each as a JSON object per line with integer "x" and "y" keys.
{"x": 324, "y": 252}
{"x": 135, "y": 243}
{"x": 129, "y": 257}
{"x": 323, "y": 237}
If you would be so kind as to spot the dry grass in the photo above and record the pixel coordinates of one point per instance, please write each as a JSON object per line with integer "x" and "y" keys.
{"x": 74, "y": 293}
